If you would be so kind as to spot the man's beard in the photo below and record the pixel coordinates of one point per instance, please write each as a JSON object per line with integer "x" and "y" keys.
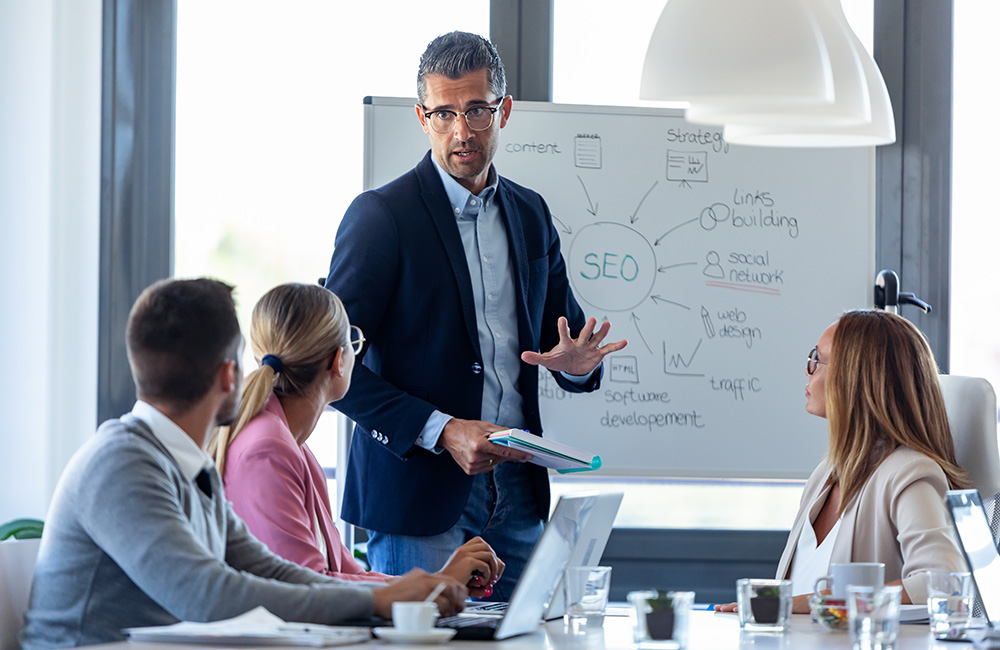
{"x": 227, "y": 412}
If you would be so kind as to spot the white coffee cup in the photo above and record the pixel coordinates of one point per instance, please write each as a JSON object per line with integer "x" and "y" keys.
{"x": 414, "y": 617}
{"x": 862, "y": 574}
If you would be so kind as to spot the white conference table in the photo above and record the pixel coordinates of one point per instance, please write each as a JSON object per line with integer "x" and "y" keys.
{"x": 709, "y": 631}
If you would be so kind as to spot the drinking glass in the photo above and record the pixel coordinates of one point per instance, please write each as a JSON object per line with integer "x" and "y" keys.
{"x": 873, "y": 616}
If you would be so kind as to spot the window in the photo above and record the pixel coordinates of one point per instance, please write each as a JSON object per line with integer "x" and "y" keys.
{"x": 269, "y": 133}
{"x": 975, "y": 298}
{"x": 598, "y": 54}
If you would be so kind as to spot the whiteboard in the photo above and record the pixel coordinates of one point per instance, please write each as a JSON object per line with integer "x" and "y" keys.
{"x": 720, "y": 264}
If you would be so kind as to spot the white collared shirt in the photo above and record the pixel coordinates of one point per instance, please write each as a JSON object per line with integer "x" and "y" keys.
{"x": 190, "y": 457}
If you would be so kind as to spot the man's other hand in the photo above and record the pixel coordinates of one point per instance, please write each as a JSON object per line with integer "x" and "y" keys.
{"x": 467, "y": 442}
{"x": 417, "y": 585}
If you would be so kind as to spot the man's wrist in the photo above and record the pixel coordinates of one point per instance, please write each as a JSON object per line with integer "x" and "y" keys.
{"x": 581, "y": 380}
{"x": 430, "y": 435}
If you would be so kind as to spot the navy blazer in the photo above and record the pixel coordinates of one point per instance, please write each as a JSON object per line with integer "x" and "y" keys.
{"x": 400, "y": 268}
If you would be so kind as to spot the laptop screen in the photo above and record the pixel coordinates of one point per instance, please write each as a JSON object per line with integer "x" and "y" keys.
{"x": 976, "y": 540}
{"x": 541, "y": 573}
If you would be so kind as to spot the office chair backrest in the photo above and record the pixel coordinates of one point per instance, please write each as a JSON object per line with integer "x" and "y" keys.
{"x": 17, "y": 569}
{"x": 972, "y": 414}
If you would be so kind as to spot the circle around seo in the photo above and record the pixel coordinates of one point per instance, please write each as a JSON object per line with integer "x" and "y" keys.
{"x": 612, "y": 267}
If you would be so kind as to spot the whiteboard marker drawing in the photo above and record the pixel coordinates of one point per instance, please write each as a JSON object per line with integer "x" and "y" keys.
{"x": 587, "y": 151}
{"x": 706, "y": 320}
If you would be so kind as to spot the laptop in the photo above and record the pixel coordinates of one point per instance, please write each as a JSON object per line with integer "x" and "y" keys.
{"x": 975, "y": 538}
{"x": 538, "y": 580}
{"x": 972, "y": 529}
{"x": 587, "y": 552}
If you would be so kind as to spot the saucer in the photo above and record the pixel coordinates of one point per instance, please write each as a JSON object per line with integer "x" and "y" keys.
{"x": 436, "y": 635}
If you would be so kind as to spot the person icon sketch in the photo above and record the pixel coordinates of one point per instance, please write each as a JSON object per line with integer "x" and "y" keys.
{"x": 713, "y": 269}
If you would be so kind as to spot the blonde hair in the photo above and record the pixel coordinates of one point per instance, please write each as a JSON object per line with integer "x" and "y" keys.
{"x": 882, "y": 392}
{"x": 302, "y": 325}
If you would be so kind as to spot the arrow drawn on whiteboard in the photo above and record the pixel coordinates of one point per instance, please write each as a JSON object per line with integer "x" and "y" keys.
{"x": 660, "y": 238}
{"x": 635, "y": 319}
{"x": 659, "y": 299}
{"x": 634, "y": 218}
{"x": 664, "y": 269}
{"x": 593, "y": 206}
{"x": 566, "y": 229}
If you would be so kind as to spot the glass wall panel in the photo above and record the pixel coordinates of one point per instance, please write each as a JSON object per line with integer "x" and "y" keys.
{"x": 269, "y": 132}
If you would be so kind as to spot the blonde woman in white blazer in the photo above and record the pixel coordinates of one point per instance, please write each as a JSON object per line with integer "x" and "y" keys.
{"x": 878, "y": 496}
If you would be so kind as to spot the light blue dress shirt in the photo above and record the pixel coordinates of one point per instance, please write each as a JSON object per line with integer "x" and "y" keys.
{"x": 484, "y": 237}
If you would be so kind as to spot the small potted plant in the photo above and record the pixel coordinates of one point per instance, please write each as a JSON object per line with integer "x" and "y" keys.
{"x": 765, "y": 604}
{"x": 661, "y": 617}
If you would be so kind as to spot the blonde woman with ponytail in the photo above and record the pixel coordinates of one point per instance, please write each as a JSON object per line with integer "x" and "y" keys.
{"x": 306, "y": 348}
{"x": 878, "y": 496}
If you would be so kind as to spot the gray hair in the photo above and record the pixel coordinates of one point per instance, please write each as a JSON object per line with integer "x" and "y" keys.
{"x": 457, "y": 54}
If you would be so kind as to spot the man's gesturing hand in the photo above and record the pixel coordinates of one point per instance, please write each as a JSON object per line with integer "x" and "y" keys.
{"x": 577, "y": 356}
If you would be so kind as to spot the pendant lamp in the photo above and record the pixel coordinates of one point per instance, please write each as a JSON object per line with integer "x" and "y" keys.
{"x": 718, "y": 52}
{"x": 851, "y": 104}
{"x": 880, "y": 130}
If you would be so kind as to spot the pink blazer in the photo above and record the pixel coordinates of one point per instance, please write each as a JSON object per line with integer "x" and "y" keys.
{"x": 279, "y": 489}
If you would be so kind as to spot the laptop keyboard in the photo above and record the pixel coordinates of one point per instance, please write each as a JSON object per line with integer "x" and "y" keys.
{"x": 456, "y": 622}
{"x": 497, "y": 608}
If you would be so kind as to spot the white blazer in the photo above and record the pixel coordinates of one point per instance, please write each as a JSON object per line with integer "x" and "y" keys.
{"x": 899, "y": 519}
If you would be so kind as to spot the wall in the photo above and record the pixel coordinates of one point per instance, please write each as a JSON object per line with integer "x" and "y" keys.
{"x": 50, "y": 102}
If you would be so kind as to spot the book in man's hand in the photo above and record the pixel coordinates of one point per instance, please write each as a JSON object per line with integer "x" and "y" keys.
{"x": 548, "y": 453}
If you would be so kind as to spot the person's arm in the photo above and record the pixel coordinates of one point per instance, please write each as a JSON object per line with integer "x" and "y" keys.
{"x": 133, "y": 510}
{"x": 363, "y": 273}
{"x": 267, "y": 483}
{"x": 924, "y": 529}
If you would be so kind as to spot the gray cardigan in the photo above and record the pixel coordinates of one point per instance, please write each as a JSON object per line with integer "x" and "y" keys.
{"x": 131, "y": 541}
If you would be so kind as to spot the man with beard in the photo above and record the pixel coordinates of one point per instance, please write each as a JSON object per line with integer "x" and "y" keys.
{"x": 456, "y": 277}
{"x": 140, "y": 533}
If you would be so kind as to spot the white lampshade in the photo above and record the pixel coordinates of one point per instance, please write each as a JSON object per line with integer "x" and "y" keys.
{"x": 880, "y": 130}
{"x": 851, "y": 104}
{"x": 721, "y": 51}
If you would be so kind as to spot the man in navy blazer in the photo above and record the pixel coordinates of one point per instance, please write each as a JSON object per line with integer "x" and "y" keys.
{"x": 456, "y": 278}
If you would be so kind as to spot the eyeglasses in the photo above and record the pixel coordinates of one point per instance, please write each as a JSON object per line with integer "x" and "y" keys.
{"x": 813, "y": 360}
{"x": 479, "y": 118}
{"x": 357, "y": 339}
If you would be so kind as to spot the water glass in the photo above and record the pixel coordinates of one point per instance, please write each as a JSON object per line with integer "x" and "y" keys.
{"x": 660, "y": 619}
{"x": 764, "y": 605}
{"x": 586, "y": 590}
{"x": 873, "y": 616}
{"x": 949, "y": 603}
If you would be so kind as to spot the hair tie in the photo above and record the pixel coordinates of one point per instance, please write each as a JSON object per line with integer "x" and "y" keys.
{"x": 273, "y": 361}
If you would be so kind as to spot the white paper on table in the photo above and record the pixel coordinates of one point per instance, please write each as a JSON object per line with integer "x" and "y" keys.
{"x": 256, "y": 627}
{"x": 913, "y": 614}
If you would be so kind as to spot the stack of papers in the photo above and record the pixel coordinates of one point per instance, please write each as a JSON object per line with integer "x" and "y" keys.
{"x": 256, "y": 627}
{"x": 548, "y": 453}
